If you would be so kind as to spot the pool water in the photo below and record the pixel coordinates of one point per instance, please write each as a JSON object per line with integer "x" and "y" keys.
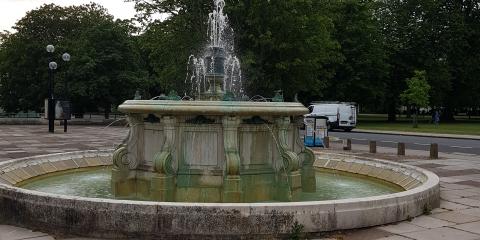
{"x": 95, "y": 183}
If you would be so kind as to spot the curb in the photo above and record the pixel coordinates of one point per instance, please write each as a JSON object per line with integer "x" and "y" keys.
{"x": 415, "y": 134}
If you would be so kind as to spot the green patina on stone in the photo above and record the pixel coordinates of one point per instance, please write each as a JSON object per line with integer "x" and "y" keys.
{"x": 228, "y": 96}
{"x": 172, "y": 95}
{"x": 278, "y": 96}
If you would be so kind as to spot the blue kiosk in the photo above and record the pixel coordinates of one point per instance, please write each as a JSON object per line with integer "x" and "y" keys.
{"x": 315, "y": 130}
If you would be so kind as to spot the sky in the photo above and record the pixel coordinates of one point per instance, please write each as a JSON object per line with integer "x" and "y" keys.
{"x": 13, "y": 10}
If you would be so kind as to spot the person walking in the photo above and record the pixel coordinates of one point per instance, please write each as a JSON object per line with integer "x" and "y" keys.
{"x": 436, "y": 118}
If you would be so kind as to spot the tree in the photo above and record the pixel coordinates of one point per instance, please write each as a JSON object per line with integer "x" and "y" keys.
{"x": 282, "y": 44}
{"x": 285, "y": 44}
{"x": 104, "y": 67}
{"x": 361, "y": 76}
{"x": 461, "y": 54}
{"x": 439, "y": 36}
{"x": 417, "y": 93}
{"x": 332, "y": 50}
{"x": 166, "y": 45}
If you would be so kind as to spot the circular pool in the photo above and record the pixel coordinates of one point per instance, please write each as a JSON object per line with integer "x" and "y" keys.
{"x": 95, "y": 182}
{"x": 100, "y": 216}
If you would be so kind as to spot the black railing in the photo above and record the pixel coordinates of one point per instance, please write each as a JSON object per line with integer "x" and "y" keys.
{"x": 87, "y": 116}
{"x": 97, "y": 115}
{"x": 21, "y": 115}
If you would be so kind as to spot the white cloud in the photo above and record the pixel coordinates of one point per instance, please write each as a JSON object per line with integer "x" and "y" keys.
{"x": 13, "y": 10}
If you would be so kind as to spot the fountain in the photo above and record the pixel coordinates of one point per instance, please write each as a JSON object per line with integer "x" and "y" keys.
{"x": 215, "y": 167}
{"x": 218, "y": 71}
{"x": 210, "y": 149}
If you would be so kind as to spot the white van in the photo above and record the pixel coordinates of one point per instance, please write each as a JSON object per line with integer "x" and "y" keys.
{"x": 341, "y": 115}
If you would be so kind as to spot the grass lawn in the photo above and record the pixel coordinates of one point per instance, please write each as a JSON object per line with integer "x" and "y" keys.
{"x": 462, "y": 125}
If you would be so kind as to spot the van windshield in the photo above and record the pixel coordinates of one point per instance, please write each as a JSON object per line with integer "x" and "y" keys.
{"x": 325, "y": 110}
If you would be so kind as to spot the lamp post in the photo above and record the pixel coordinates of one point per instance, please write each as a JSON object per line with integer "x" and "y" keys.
{"x": 66, "y": 59}
{"x": 51, "y": 102}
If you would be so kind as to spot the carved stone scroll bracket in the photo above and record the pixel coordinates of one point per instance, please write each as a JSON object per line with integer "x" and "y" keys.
{"x": 120, "y": 157}
{"x": 121, "y": 173}
{"x": 308, "y": 157}
{"x": 163, "y": 183}
{"x": 309, "y": 182}
{"x": 232, "y": 182}
{"x": 163, "y": 160}
{"x": 305, "y": 154}
{"x": 129, "y": 155}
{"x": 299, "y": 144}
{"x": 125, "y": 160}
{"x": 230, "y": 141}
{"x": 292, "y": 176}
{"x": 122, "y": 160}
{"x": 290, "y": 159}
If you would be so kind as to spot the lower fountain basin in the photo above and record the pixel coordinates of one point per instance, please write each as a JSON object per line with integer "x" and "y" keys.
{"x": 110, "y": 218}
{"x": 95, "y": 183}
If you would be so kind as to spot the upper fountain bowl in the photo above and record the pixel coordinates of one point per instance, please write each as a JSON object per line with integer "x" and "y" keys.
{"x": 217, "y": 108}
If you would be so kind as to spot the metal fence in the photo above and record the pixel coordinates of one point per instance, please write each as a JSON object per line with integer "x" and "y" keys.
{"x": 21, "y": 115}
{"x": 86, "y": 116}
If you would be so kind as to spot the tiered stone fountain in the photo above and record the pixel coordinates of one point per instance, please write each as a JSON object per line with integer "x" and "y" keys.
{"x": 205, "y": 151}
{"x": 212, "y": 149}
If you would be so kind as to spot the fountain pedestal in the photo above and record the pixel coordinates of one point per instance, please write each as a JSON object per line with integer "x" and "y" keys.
{"x": 211, "y": 151}
{"x": 215, "y": 92}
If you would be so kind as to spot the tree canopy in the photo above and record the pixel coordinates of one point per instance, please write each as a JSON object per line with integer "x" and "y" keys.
{"x": 347, "y": 50}
{"x": 286, "y": 45}
{"x": 417, "y": 92}
{"x": 104, "y": 65}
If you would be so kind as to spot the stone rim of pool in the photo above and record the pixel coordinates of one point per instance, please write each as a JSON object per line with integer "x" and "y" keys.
{"x": 109, "y": 218}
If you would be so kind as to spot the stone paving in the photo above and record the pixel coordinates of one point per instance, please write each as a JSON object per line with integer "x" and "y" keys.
{"x": 458, "y": 217}
{"x": 22, "y": 141}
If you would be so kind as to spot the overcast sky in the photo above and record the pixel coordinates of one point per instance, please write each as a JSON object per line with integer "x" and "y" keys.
{"x": 13, "y": 10}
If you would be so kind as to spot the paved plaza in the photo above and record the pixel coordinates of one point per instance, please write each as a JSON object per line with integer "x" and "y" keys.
{"x": 458, "y": 217}
{"x": 17, "y": 141}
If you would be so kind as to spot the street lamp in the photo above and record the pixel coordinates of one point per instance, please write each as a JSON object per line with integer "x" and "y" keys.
{"x": 50, "y": 48}
{"x": 66, "y": 59}
{"x": 52, "y": 66}
{"x": 64, "y": 105}
{"x": 51, "y": 102}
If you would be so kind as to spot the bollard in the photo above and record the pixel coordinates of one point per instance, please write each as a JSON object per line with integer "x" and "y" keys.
{"x": 433, "y": 151}
{"x": 347, "y": 144}
{"x": 401, "y": 149}
{"x": 326, "y": 142}
{"x": 373, "y": 146}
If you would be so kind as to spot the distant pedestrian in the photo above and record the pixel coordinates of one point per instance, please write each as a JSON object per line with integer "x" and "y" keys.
{"x": 436, "y": 117}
